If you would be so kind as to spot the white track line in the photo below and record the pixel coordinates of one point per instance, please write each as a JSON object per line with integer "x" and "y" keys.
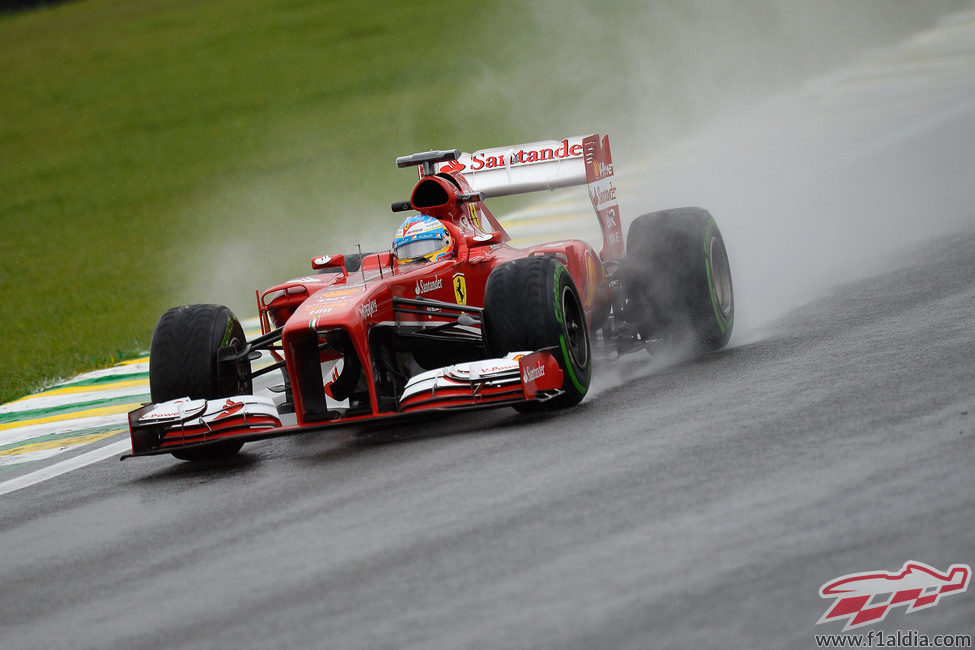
{"x": 65, "y": 466}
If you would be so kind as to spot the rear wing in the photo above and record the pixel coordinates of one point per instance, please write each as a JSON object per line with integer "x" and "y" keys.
{"x": 549, "y": 165}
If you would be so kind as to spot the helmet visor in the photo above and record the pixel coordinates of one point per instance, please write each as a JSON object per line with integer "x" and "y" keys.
{"x": 420, "y": 248}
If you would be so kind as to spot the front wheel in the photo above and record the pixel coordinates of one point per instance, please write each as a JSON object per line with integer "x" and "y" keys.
{"x": 184, "y": 362}
{"x": 677, "y": 279}
{"x": 530, "y": 304}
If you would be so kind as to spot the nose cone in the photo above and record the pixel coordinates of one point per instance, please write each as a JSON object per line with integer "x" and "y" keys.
{"x": 330, "y": 306}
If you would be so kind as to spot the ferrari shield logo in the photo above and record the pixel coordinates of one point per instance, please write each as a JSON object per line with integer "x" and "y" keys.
{"x": 460, "y": 289}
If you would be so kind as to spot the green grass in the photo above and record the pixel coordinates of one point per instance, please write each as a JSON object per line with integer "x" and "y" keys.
{"x": 164, "y": 152}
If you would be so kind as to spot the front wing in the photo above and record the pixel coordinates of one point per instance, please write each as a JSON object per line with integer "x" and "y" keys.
{"x": 186, "y": 423}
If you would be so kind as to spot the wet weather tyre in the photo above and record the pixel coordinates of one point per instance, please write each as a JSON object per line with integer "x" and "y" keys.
{"x": 530, "y": 304}
{"x": 183, "y": 362}
{"x": 677, "y": 279}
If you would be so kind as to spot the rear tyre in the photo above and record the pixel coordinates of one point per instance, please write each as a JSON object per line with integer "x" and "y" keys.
{"x": 183, "y": 362}
{"x": 530, "y": 304}
{"x": 677, "y": 279}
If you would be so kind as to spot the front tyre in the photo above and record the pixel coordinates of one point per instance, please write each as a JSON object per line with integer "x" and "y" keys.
{"x": 184, "y": 361}
{"x": 677, "y": 279}
{"x": 530, "y": 304}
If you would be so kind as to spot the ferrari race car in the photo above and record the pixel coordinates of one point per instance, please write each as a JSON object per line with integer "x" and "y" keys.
{"x": 452, "y": 317}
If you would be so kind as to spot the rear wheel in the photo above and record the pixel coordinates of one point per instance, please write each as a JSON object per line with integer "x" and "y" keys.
{"x": 530, "y": 304}
{"x": 184, "y": 362}
{"x": 677, "y": 279}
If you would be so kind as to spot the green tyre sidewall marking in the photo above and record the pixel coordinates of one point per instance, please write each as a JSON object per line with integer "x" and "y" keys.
{"x": 559, "y": 270}
{"x": 722, "y": 323}
{"x": 572, "y": 374}
{"x": 227, "y": 333}
{"x": 714, "y": 302}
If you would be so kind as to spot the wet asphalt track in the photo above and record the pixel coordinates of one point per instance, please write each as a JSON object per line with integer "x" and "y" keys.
{"x": 699, "y": 505}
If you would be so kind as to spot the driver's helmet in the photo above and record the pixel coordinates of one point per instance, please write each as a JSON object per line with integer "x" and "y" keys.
{"x": 421, "y": 238}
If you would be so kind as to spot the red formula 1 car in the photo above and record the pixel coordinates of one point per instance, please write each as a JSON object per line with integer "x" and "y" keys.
{"x": 451, "y": 317}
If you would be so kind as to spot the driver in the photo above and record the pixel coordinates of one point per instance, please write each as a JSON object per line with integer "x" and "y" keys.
{"x": 422, "y": 238}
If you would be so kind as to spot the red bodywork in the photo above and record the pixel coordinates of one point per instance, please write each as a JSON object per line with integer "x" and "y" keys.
{"x": 324, "y": 317}
{"x": 361, "y": 300}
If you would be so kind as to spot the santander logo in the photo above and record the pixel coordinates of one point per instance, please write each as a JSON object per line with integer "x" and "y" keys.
{"x": 495, "y": 158}
{"x": 602, "y": 193}
{"x": 432, "y": 285}
{"x": 531, "y": 374}
{"x": 453, "y": 166}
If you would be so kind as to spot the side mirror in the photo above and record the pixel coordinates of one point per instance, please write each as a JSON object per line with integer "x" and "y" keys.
{"x": 484, "y": 240}
{"x": 324, "y": 262}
